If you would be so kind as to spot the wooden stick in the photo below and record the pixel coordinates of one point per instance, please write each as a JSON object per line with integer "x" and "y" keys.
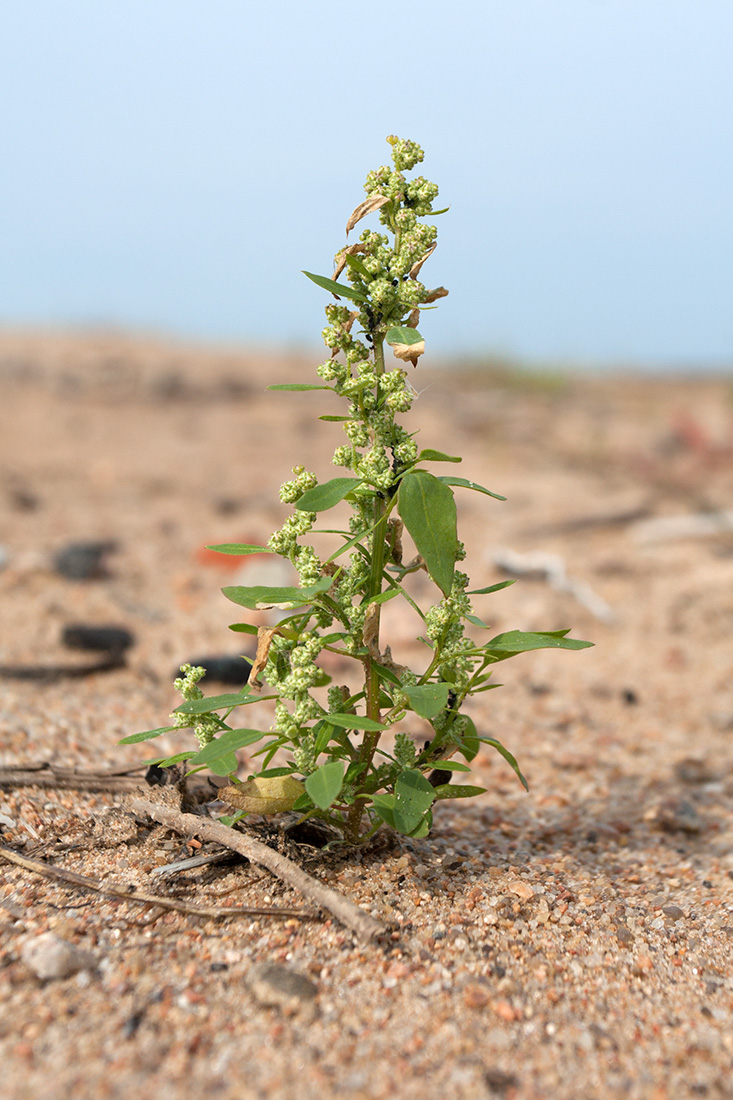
{"x": 64, "y": 778}
{"x": 131, "y": 893}
{"x": 365, "y": 926}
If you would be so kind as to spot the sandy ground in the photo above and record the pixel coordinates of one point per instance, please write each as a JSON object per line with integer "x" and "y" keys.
{"x": 576, "y": 941}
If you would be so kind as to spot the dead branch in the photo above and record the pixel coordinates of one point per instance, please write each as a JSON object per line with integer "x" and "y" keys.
{"x": 131, "y": 893}
{"x": 44, "y": 775}
{"x": 365, "y": 926}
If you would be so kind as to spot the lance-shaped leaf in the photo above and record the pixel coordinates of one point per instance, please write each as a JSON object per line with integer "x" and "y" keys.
{"x": 518, "y": 641}
{"x": 466, "y": 484}
{"x": 215, "y": 702}
{"x": 226, "y": 744}
{"x": 146, "y": 735}
{"x": 511, "y": 761}
{"x": 322, "y": 497}
{"x": 324, "y": 785}
{"x": 239, "y": 548}
{"x": 448, "y": 790}
{"x": 260, "y": 597}
{"x": 354, "y": 722}
{"x": 428, "y": 510}
{"x": 429, "y": 455}
{"x": 427, "y": 700}
{"x": 298, "y": 387}
{"x": 414, "y": 796}
{"x": 339, "y": 289}
{"x": 492, "y": 588}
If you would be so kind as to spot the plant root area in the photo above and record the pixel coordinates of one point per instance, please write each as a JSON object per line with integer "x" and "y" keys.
{"x": 575, "y": 941}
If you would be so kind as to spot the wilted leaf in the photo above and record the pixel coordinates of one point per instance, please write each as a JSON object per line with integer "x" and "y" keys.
{"x": 264, "y": 641}
{"x": 415, "y": 269}
{"x": 264, "y": 795}
{"x": 340, "y": 260}
{"x": 433, "y": 295}
{"x": 370, "y": 204}
{"x": 409, "y": 353}
{"x": 402, "y": 334}
{"x": 371, "y": 630}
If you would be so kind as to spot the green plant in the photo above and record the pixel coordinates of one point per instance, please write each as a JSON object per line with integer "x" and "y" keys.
{"x": 337, "y": 764}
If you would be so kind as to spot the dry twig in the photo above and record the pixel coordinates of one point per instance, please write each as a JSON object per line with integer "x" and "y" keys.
{"x": 131, "y": 893}
{"x": 365, "y": 926}
{"x": 44, "y": 775}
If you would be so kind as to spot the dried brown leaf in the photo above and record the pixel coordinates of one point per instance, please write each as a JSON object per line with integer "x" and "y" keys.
{"x": 414, "y": 319}
{"x": 371, "y": 630}
{"x": 415, "y": 269}
{"x": 340, "y": 261}
{"x": 264, "y": 794}
{"x": 408, "y": 353}
{"x": 264, "y": 641}
{"x": 388, "y": 662}
{"x": 372, "y": 203}
{"x": 395, "y": 528}
{"x": 433, "y": 295}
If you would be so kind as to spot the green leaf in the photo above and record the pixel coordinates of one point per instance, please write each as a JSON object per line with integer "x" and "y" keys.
{"x": 260, "y": 597}
{"x": 168, "y": 761}
{"x": 147, "y": 735}
{"x": 449, "y": 766}
{"x": 388, "y": 594}
{"x": 466, "y": 484}
{"x": 518, "y": 641}
{"x": 469, "y": 743}
{"x": 400, "y": 335}
{"x": 384, "y": 805}
{"x": 413, "y": 798}
{"x": 324, "y": 785}
{"x": 227, "y": 742}
{"x": 358, "y": 265}
{"x": 428, "y": 511}
{"x": 298, "y": 387}
{"x": 477, "y": 622}
{"x": 450, "y": 790}
{"x": 335, "y": 419}
{"x": 507, "y": 756}
{"x": 387, "y": 675}
{"x": 239, "y": 548}
{"x": 354, "y": 722}
{"x": 224, "y": 765}
{"x": 322, "y": 497}
{"x": 427, "y": 700}
{"x": 429, "y": 455}
{"x": 336, "y": 288}
{"x": 216, "y": 702}
{"x": 492, "y": 588}
{"x": 243, "y": 628}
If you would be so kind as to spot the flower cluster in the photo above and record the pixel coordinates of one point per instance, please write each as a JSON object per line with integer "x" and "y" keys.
{"x": 203, "y": 725}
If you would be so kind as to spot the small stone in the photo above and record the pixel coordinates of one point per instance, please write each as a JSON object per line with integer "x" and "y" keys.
{"x": 673, "y": 912}
{"x": 50, "y": 957}
{"x": 521, "y": 889}
{"x": 476, "y": 996}
{"x": 277, "y": 986}
{"x": 678, "y": 815}
{"x": 83, "y": 561}
{"x": 624, "y": 935}
{"x": 223, "y": 670}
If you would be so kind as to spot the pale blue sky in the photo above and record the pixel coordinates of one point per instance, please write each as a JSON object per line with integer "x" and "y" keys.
{"x": 172, "y": 165}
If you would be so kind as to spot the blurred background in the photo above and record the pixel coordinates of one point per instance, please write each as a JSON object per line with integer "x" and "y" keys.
{"x": 170, "y": 166}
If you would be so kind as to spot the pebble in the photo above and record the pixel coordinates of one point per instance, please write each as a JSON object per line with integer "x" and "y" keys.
{"x": 223, "y": 670}
{"x": 107, "y": 639}
{"x": 82, "y": 561}
{"x": 51, "y": 958}
{"x": 275, "y": 985}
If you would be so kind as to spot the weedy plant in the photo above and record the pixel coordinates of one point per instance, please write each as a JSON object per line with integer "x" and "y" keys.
{"x": 349, "y": 754}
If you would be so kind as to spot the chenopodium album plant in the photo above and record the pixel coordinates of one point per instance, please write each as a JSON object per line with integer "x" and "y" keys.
{"x": 340, "y": 764}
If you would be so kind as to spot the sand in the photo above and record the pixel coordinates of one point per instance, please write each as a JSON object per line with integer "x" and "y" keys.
{"x": 576, "y": 941}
